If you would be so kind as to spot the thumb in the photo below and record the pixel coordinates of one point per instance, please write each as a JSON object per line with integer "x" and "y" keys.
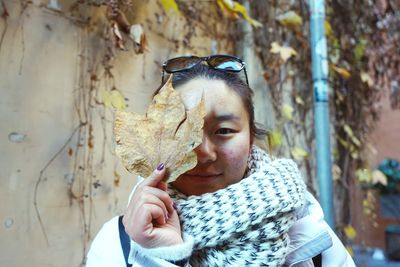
{"x": 156, "y": 177}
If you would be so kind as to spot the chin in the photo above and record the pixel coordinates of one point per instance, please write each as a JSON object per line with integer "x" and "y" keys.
{"x": 196, "y": 190}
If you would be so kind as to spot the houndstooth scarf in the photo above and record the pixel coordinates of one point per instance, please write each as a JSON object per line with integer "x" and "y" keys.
{"x": 244, "y": 224}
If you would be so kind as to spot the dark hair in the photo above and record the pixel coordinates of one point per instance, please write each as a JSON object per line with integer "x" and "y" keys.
{"x": 232, "y": 80}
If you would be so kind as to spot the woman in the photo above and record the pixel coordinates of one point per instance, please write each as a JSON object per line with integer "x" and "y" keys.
{"x": 237, "y": 207}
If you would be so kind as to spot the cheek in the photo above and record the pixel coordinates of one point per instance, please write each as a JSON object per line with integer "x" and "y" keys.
{"x": 236, "y": 161}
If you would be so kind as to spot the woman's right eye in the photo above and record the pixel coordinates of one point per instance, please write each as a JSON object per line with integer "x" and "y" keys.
{"x": 224, "y": 131}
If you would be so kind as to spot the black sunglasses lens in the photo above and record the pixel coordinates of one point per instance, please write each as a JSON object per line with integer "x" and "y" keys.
{"x": 225, "y": 63}
{"x": 181, "y": 63}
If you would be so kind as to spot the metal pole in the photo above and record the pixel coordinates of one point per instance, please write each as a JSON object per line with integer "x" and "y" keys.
{"x": 321, "y": 107}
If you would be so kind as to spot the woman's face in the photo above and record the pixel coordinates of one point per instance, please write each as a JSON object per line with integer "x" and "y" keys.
{"x": 222, "y": 156}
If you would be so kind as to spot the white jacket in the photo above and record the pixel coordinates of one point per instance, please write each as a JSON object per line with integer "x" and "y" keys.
{"x": 309, "y": 236}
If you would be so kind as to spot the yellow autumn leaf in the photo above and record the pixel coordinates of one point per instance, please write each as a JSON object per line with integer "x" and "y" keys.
{"x": 328, "y": 29}
{"x": 274, "y": 139}
{"x": 366, "y": 203}
{"x": 285, "y": 52}
{"x": 335, "y": 154}
{"x": 335, "y": 51}
{"x": 117, "y": 100}
{"x": 350, "y": 133}
{"x": 170, "y": 4}
{"x": 299, "y": 100}
{"x": 228, "y": 13}
{"x": 356, "y": 141}
{"x": 165, "y": 134}
{"x": 344, "y": 73}
{"x": 238, "y": 8}
{"x": 350, "y": 250}
{"x": 348, "y": 130}
{"x": 367, "y": 211}
{"x": 350, "y": 232}
{"x": 343, "y": 142}
{"x": 290, "y": 19}
{"x": 363, "y": 175}
{"x": 379, "y": 177}
{"x": 350, "y": 147}
{"x": 287, "y": 111}
{"x": 298, "y": 153}
{"x": 365, "y": 78}
{"x": 359, "y": 50}
{"x": 275, "y": 48}
{"x": 354, "y": 154}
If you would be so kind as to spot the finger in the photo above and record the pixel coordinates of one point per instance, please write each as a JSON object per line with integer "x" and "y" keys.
{"x": 153, "y": 200}
{"x": 143, "y": 229}
{"x": 165, "y": 198}
{"x": 162, "y": 186}
{"x": 156, "y": 214}
{"x": 154, "y": 178}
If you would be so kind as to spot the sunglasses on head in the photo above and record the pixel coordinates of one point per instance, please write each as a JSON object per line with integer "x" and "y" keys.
{"x": 218, "y": 62}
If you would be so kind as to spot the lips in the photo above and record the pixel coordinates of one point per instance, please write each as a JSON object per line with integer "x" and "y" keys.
{"x": 202, "y": 177}
{"x": 202, "y": 174}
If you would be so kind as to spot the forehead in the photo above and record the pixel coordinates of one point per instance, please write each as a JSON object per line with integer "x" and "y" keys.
{"x": 219, "y": 98}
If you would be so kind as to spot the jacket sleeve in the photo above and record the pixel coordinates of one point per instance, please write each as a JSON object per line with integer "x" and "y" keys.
{"x": 165, "y": 256}
{"x": 336, "y": 255}
{"x": 106, "y": 250}
{"x": 311, "y": 236}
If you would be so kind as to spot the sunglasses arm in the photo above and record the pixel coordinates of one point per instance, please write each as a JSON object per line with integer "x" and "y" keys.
{"x": 245, "y": 74}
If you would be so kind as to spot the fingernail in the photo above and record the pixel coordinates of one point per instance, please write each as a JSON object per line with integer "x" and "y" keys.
{"x": 160, "y": 167}
{"x": 174, "y": 205}
{"x": 167, "y": 217}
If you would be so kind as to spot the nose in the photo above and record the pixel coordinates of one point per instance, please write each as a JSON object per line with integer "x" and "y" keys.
{"x": 206, "y": 151}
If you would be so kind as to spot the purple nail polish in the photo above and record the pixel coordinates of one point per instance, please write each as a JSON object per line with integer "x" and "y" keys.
{"x": 174, "y": 205}
{"x": 160, "y": 167}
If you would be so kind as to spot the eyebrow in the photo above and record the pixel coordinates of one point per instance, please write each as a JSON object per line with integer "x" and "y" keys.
{"x": 227, "y": 117}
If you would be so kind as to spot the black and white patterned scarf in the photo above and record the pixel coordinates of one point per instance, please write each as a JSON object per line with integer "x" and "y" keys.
{"x": 244, "y": 224}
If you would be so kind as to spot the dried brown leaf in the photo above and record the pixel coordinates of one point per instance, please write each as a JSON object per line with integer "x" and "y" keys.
{"x": 139, "y": 38}
{"x": 166, "y": 133}
{"x": 122, "y": 22}
{"x": 118, "y": 39}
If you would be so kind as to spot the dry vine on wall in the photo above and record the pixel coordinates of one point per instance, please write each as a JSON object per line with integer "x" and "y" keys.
{"x": 365, "y": 41}
{"x": 283, "y": 48}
